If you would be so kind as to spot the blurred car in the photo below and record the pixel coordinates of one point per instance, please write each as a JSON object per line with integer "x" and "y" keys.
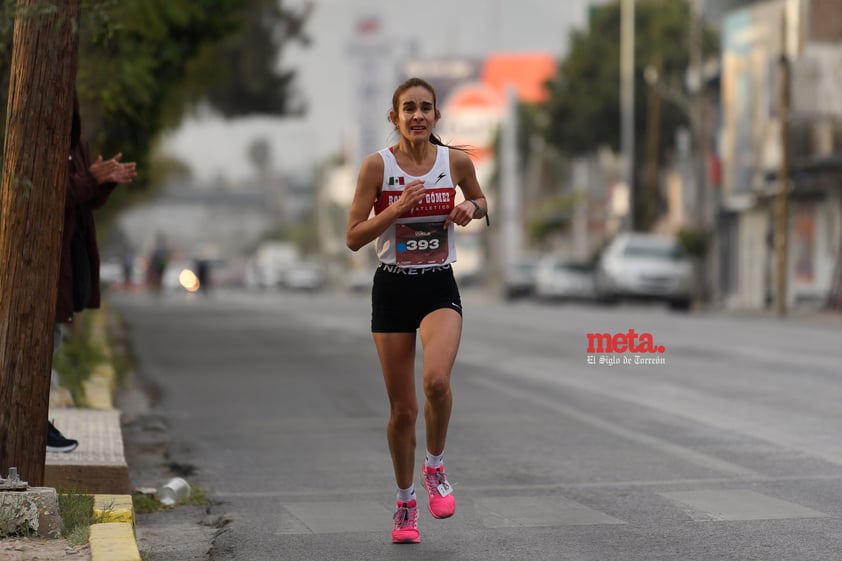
{"x": 270, "y": 263}
{"x": 520, "y": 279}
{"x": 304, "y": 276}
{"x": 359, "y": 280}
{"x": 645, "y": 267}
{"x": 557, "y": 278}
{"x": 110, "y": 272}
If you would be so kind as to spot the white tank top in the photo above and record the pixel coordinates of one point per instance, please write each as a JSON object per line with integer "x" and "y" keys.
{"x": 418, "y": 238}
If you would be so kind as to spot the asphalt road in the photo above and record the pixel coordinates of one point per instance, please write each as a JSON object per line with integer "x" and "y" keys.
{"x": 725, "y": 446}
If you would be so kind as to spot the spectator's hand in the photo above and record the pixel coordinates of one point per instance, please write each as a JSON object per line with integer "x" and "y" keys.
{"x": 113, "y": 170}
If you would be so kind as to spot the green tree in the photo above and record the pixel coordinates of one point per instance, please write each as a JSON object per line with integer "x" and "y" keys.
{"x": 140, "y": 65}
{"x": 240, "y": 74}
{"x": 145, "y": 64}
{"x": 584, "y": 108}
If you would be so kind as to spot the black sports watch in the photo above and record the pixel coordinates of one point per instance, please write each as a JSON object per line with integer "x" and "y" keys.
{"x": 482, "y": 211}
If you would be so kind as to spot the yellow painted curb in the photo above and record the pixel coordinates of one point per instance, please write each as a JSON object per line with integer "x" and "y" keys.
{"x": 99, "y": 329}
{"x": 114, "y": 508}
{"x": 114, "y": 538}
{"x": 99, "y": 387}
{"x": 113, "y": 541}
{"x": 98, "y": 393}
{"x": 105, "y": 370}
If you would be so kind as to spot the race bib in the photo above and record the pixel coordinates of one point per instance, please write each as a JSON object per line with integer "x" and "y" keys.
{"x": 420, "y": 243}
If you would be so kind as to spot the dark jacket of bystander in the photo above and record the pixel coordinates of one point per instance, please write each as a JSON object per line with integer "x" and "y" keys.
{"x": 84, "y": 195}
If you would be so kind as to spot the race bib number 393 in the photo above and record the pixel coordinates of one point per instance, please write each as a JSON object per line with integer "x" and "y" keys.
{"x": 421, "y": 243}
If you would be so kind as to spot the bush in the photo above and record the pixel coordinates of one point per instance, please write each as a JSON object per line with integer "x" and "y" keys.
{"x": 75, "y": 360}
{"x": 694, "y": 240}
{"x": 76, "y": 516}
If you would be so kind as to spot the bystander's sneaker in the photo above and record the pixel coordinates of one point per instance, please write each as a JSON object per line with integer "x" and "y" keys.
{"x": 57, "y": 442}
{"x": 440, "y": 497}
{"x": 406, "y": 523}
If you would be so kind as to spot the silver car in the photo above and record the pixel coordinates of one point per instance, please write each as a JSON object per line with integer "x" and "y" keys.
{"x": 519, "y": 280}
{"x": 557, "y": 278}
{"x": 645, "y": 266}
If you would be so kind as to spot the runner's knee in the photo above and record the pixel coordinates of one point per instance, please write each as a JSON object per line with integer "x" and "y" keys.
{"x": 404, "y": 416}
{"x": 436, "y": 385}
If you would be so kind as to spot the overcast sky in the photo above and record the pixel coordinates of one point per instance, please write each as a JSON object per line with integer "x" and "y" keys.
{"x": 433, "y": 28}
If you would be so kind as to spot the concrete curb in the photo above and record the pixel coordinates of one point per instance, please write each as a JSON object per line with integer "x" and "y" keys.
{"x": 114, "y": 508}
{"x": 112, "y": 539}
{"x": 99, "y": 387}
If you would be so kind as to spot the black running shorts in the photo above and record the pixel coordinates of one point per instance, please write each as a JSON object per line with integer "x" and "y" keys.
{"x": 401, "y": 297}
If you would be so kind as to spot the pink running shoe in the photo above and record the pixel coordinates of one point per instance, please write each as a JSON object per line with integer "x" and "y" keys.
{"x": 406, "y": 523}
{"x": 440, "y": 497}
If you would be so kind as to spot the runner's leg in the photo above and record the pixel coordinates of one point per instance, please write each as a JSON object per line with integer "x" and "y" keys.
{"x": 441, "y": 331}
{"x": 397, "y": 360}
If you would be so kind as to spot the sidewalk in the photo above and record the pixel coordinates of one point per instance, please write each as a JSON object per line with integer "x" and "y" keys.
{"x": 97, "y": 466}
{"x": 803, "y": 316}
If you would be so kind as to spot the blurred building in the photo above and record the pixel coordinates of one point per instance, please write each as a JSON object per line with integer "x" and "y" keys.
{"x": 223, "y": 222}
{"x": 741, "y": 149}
{"x": 754, "y": 38}
{"x": 715, "y": 10}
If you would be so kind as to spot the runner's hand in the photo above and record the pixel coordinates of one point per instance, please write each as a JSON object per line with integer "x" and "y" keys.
{"x": 413, "y": 194}
{"x": 462, "y": 214}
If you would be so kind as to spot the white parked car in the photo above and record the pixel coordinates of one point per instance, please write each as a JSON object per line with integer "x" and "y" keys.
{"x": 304, "y": 276}
{"x": 360, "y": 279}
{"x": 110, "y": 272}
{"x": 557, "y": 278}
{"x": 645, "y": 266}
{"x": 519, "y": 280}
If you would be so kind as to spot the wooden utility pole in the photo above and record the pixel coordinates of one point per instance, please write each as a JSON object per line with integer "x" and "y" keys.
{"x": 782, "y": 202}
{"x": 32, "y": 192}
{"x": 703, "y": 265}
{"x": 696, "y": 112}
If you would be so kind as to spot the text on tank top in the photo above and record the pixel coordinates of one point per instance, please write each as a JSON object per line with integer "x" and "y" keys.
{"x": 418, "y": 238}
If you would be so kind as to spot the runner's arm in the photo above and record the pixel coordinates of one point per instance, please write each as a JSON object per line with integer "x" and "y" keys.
{"x": 465, "y": 176}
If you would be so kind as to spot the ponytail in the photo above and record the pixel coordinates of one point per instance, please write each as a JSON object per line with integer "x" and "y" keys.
{"x": 461, "y": 147}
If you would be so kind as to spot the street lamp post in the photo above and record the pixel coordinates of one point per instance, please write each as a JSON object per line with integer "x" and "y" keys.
{"x": 782, "y": 199}
{"x": 627, "y": 102}
{"x": 696, "y": 111}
